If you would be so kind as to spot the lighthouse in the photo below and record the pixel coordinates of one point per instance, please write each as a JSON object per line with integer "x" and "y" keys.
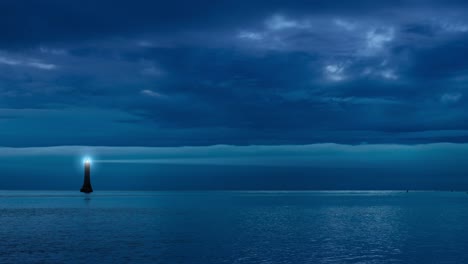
{"x": 87, "y": 178}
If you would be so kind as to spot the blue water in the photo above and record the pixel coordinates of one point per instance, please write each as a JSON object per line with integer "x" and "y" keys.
{"x": 233, "y": 227}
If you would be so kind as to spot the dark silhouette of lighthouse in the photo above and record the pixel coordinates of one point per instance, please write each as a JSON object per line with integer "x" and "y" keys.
{"x": 87, "y": 178}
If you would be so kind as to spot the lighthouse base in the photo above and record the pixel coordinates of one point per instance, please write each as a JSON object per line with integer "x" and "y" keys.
{"x": 86, "y": 189}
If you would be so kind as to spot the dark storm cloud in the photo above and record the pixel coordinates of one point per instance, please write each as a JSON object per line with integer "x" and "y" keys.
{"x": 225, "y": 72}
{"x": 26, "y": 22}
{"x": 443, "y": 60}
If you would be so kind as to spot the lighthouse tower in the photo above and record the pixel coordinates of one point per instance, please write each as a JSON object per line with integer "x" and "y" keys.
{"x": 87, "y": 178}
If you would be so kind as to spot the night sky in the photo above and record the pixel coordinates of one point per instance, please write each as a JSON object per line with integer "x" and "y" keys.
{"x": 270, "y": 85}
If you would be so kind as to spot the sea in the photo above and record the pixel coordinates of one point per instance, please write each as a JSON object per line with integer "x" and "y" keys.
{"x": 233, "y": 227}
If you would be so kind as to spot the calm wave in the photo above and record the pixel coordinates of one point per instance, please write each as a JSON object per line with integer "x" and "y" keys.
{"x": 233, "y": 227}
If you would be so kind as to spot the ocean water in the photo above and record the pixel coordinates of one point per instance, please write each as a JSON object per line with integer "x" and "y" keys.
{"x": 233, "y": 227}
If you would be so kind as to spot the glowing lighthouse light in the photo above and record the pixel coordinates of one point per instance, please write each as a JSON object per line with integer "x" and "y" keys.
{"x": 87, "y": 177}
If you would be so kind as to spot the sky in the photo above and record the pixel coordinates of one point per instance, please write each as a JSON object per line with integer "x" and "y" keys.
{"x": 253, "y": 74}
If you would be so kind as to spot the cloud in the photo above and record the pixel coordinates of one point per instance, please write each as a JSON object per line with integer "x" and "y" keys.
{"x": 335, "y": 72}
{"x": 279, "y": 22}
{"x": 377, "y": 39}
{"x": 8, "y": 61}
{"x": 266, "y": 72}
{"x": 52, "y": 51}
{"x": 380, "y": 72}
{"x": 40, "y": 65}
{"x": 359, "y": 100}
{"x": 27, "y": 63}
{"x": 151, "y": 93}
{"x": 250, "y": 35}
{"x": 152, "y": 71}
{"x": 389, "y": 74}
{"x": 448, "y": 98}
{"x": 456, "y": 27}
{"x": 344, "y": 24}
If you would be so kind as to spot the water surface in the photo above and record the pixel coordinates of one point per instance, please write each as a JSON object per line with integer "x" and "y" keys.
{"x": 233, "y": 227}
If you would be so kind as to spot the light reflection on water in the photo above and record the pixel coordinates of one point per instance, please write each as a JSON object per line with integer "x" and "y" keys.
{"x": 233, "y": 227}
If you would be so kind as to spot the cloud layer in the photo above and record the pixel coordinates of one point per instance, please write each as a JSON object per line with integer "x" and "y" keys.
{"x": 315, "y": 155}
{"x": 148, "y": 73}
{"x": 318, "y": 166}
